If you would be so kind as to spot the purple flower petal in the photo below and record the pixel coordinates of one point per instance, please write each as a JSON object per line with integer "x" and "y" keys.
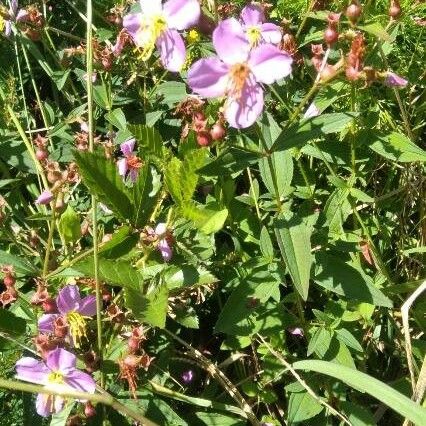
{"x": 132, "y": 23}
{"x": 87, "y": 306}
{"x": 13, "y": 7}
{"x": 61, "y": 360}
{"x": 44, "y": 198}
{"x": 22, "y": 15}
{"x": 46, "y": 323}
{"x": 7, "y": 28}
{"x": 172, "y": 50}
{"x": 44, "y": 404}
{"x": 182, "y": 14}
{"x": 252, "y": 14}
{"x": 243, "y": 112}
{"x": 80, "y": 381}
{"x": 128, "y": 147}
{"x": 312, "y": 111}
{"x": 208, "y": 77}
{"x": 271, "y": 33}
{"x": 151, "y": 7}
{"x": 133, "y": 175}
{"x": 161, "y": 228}
{"x": 122, "y": 166}
{"x": 68, "y": 299}
{"x": 269, "y": 64}
{"x": 31, "y": 370}
{"x": 394, "y": 80}
{"x": 165, "y": 249}
{"x": 230, "y": 42}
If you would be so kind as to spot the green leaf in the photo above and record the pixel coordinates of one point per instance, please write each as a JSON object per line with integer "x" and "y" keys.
{"x": 122, "y": 241}
{"x": 101, "y": 176}
{"x": 69, "y": 225}
{"x": 149, "y": 140}
{"x": 60, "y": 419}
{"x": 393, "y": 146}
{"x": 116, "y": 272}
{"x": 334, "y": 274}
{"x": 320, "y": 342}
{"x": 312, "y": 128}
{"x": 150, "y": 307}
{"x": 117, "y": 118}
{"x": 377, "y": 30}
{"x": 187, "y": 317}
{"x": 266, "y": 246}
{"x": 368, "y": 384}
{"x": 336, "y": 210}
{"x": 172, "y": 92}
{"x": 293, "y": 237}
{"x": 144, "y": 195}
{"x": 348, "y": 339}
{"x": 302, "y": 407}
{"x": 11, "y": 324}
{"x": 20, "y": 265}
{"x": 187, "y": 275}
{"x": 208, "y": 219}
{"x": 281, "y": 163}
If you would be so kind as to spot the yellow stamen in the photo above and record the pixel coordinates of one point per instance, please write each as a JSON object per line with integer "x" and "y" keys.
{"x": 148, "y": 34}
{"x": 193, "y": 36}
{"x": 77, "y": 325}
{"x": 55, "y": 377}
{"x": 254, "y": 35}
{"x": 2, "y": 24}
{"x": 238, "y": 76}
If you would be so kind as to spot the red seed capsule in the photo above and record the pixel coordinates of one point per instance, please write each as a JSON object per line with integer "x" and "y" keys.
{"x": 218, "y": 132}
{"x": 204, "y": 138}
{"x": 330, "y": 36}
{"x": 353, "y": 11}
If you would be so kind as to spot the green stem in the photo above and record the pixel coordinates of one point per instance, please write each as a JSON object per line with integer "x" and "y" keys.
{"x": 49, "y": 240}
{"x": 105, "y": 398}
{"x": 89, "y": 72}
{"x": 305, "y": 18}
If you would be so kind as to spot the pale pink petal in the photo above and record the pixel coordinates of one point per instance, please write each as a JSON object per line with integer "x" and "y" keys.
{"x": 61, "y": 361}
{"x": 172, "y": 50}
{"x": 271, "y": 33}
{"x": 87, "y": 306}
{"x": 394, "y": 80}
{"x": 22, "y": 15}
{"x": 151, "y": 7}
{"x": 230, "y": 42}
{"x": 68, "y": 299}
{"x": 208, "y": 77}
{"x": 132, "y": 24}
{"x": 269, "y": 64}
{"x": 44, "y": 404}
{"x": 128, "y": 147}
{"x": 243, "y": 112}
{"x": 46, "y": 323}
{"x": 312, "y": 111}
{"x": 182, "y": 14}
{"x": 133, "y": 175}
{"x": 44, "y": 198}
{"x": 252, "y": 14}
{"x": 165, "y": 249}
{"x": 161, "y": 228}
{"x": 31, "y": 370}
{"x": 58, "y": 404}
{"x": 122, "y": 166}
{"x": 80, "y": 381}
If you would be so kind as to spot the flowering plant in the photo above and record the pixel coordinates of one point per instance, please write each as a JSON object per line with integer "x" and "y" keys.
{"x": 212, "y": 212}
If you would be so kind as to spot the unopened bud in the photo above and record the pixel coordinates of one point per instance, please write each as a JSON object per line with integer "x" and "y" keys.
{"x": 89, "y": 409}
{"x": 217, "y": 132}
{"x": 204, "y": 138}
{"x": 353, "y": 11}
{"x": 330, "y": 36}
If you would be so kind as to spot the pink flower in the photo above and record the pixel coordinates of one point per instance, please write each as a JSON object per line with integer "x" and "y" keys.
{"x": 164, "y": 240}
{"x": 15, "y": 15}
{"x": 255, "y": 28}
{"x": 72, "y": 313}
{"x": 156, "y": 27}
{"x": 130, "y": 163}
{"x": 394, "y": 80}
{"x": 44, "y": 198}
{"x": 238, "y": 72}
{"x": 58, "y": 373}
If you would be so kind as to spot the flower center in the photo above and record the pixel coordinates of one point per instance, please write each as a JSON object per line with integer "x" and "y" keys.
{"x": 148, "y": 34}
{"x": 238, "y": 75}
{"x": 55, "y": 377}
{"x": 193, "y": 36}
{"x": 134, "y": 162}
{"x": 254, "y": 35}
{"x": 77, "y": 325}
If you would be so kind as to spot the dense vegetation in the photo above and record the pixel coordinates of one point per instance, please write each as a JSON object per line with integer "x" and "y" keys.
{"x": 212, "y": 213}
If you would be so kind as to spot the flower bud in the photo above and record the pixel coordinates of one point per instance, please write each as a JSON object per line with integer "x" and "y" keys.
{"x": 331, "y": 35}
{"x": 353, "y": 11}
{"x": 395, "y": 9}
{"x": 218, "y": 132}
{"x": 204, "y": 138}
{"x": 89, "y": 409}
{"x": 41, "y": 154}
{"x": 9, "y": 280}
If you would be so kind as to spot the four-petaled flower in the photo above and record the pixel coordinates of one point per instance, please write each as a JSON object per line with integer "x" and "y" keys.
{"x": 255, "y": 27}
{"x": 157, "y": 25}
{"x": 58, "y": 373}
{"x": 130, "y": 163}
{"x": 237, "y": 73}
{"x": 14, "y": 16}
{"x": 72, "y": 312}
